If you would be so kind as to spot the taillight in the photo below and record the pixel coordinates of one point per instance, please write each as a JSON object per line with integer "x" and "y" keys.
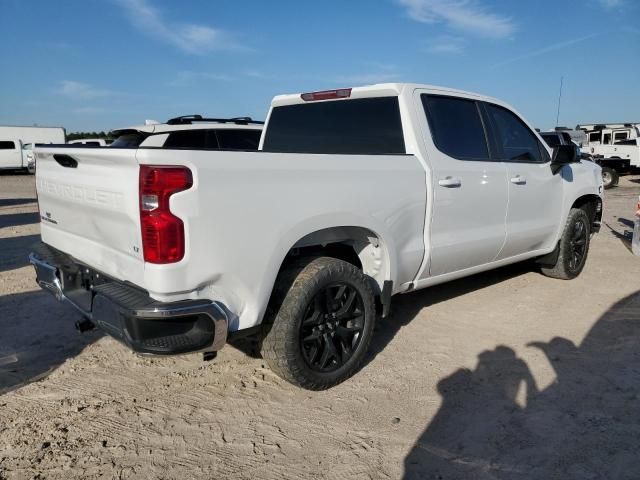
{"x": 326, "y": 95}
{"x": 162, "y": 231}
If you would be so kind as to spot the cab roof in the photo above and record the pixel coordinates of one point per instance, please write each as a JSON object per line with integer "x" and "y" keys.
{"x": 379, "y": 90}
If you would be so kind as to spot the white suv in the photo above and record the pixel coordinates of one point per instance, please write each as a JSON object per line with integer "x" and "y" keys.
{"x": 193, "y": 131}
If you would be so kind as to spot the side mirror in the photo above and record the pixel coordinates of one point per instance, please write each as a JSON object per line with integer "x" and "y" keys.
{"x": 562, "y": 155}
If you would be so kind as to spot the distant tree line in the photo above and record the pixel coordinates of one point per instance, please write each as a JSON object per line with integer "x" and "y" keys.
{"x": 78, "y": 135}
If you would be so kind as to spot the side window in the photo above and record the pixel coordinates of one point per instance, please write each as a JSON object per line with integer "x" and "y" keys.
{"x": 192, "y": 139}
{"x": 515, "y": 141}
{"x": 456, "y": 127}
{"x": 594, "y": 137}
{"x": 606, "y": 139}
{"x": 245, "y": 139}
{"x": 620, "y": 136}
{"x": 7, "y": 145}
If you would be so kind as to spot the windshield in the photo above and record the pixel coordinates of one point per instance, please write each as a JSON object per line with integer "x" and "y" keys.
{"x": 551, "y": 139}
{"x": 128, "y": 140}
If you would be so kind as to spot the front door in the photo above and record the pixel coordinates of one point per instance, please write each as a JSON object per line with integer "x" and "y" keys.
{"x": 469, "y": 189}
{"x": 535, "y": 193}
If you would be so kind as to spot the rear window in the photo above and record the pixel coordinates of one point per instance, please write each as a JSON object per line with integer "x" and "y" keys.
{"x": 7, "y": 145}
{"x": 359, "y": 126}
{"x": 244, "y": 139}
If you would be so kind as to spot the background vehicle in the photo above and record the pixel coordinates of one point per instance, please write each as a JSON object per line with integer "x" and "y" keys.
{"x": 90, "y": 142}
{"x": 608, "y": 133}
{"x": 557, "y": 137}
{"x": 194, "y": 131}
{"x": 357, "y": 195}
{"x": 13, "y": 140}
{"x": 614, "y": 147}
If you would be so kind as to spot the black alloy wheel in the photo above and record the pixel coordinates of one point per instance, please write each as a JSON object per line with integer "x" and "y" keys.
{"x": 332, "y": 327}
{"x": 578, "y": 244}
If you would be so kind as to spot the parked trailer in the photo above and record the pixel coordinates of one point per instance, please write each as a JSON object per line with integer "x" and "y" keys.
{"x": 16, "y": 144}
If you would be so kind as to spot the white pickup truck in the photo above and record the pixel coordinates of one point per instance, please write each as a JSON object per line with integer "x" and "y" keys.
{"x": 356, "y": 195}
{"x": 619, "y": 158}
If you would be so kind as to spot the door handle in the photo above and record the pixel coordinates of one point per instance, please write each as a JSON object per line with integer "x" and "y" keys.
{"x": 519, "y": 180}
{"x": 450, "y": 182}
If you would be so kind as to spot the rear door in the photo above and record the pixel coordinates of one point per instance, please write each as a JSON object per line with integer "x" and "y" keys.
{"x": 89, "y": 208}
{"x": 535, "y": 193}
{"x": 469, "y": 188}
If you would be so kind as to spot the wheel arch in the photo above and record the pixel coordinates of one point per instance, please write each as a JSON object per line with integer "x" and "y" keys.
{"x": 361, "y": 246}
{"x": 592, "y": 205}
{"x": 364, "y": 247}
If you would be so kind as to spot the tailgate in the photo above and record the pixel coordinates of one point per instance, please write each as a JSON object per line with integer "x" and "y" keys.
{"x": 88, "y": 201}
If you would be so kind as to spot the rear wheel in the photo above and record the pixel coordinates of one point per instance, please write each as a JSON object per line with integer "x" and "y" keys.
{"x": 573, "y": 247}
{"x": 323, "y": 325}
{"x": 609, "y": 177}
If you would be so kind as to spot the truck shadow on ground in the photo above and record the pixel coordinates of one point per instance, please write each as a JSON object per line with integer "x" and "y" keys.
{"x": 17, "y": 219}
{"x": 583, "y": 425}
{"x": 14, "y": 202}
{"x": 625, "y": 236}
{"x": 406, "y": 307}
{"x": 37, "y": 335}
{"x": 14, "y": 251}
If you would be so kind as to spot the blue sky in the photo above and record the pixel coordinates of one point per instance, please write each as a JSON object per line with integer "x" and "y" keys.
{"x": 103, "y": 64}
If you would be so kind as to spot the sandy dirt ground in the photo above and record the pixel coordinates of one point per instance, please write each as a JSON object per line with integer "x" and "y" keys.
{"x": 504, "y": 375}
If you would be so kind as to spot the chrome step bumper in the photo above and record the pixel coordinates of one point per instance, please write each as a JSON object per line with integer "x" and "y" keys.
{"x": 128, "y": 313}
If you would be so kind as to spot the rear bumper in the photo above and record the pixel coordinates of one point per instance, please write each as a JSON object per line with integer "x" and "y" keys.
{"x": 127, "y": 313}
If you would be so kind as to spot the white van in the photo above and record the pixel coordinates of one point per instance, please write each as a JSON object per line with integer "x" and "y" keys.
{"x": 16, "y": 144}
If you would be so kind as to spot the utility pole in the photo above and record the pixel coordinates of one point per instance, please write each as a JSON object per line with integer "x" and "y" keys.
{"x": 559, "y": 100}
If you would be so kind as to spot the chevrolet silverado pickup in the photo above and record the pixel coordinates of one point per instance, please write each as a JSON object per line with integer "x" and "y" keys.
{"x": 355, "y": 195}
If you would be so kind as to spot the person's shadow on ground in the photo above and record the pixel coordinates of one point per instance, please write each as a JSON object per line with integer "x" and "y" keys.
{"x": 495, "y": 424}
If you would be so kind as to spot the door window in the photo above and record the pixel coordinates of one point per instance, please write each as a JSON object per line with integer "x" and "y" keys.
{"x": 514, "y": 140}
{"x": 606, "y": 139}
{"x": 617, "y": 136}
{"x": 7, "y": 145}
{"x": 456, "y": 127}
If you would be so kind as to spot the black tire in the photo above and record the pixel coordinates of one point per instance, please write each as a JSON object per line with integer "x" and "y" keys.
{"x": 610, "y": 177}
{"x": 301, "y": 336}
{"x": 573, "y": 247}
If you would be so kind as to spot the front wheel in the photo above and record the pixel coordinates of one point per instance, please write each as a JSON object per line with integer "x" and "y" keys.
{"x": 573, "y": 247}
{"x": 323, "y": 324}
{"x": 609, "y": 177}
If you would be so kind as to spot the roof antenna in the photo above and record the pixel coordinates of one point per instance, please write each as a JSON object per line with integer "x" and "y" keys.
{"x": 559, "y": 100}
